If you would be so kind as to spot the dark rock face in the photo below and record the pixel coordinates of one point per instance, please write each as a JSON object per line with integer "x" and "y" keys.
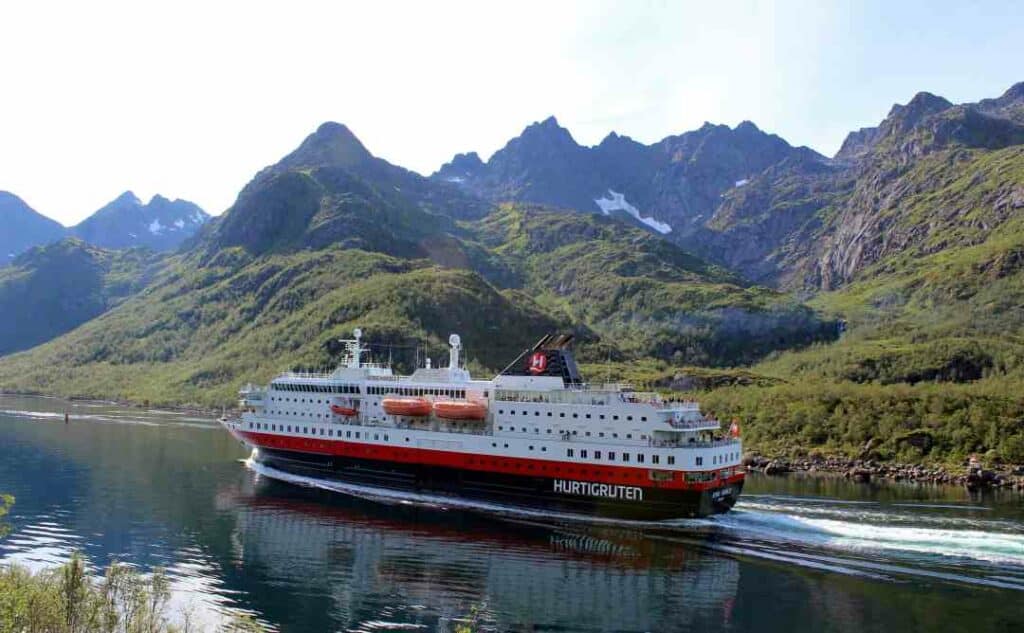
{"x": 127, "y": 222}
{"x": 23, "y": 228}
{"x": 671, "y": 186}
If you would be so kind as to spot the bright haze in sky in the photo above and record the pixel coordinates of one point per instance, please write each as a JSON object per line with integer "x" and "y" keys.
{"x": 190, "y": 99}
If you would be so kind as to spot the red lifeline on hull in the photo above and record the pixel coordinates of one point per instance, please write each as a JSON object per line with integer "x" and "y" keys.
{"x": 622, "y": 475}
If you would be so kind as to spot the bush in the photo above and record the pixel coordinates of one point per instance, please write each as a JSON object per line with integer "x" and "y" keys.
{"x": 69, "y": 599}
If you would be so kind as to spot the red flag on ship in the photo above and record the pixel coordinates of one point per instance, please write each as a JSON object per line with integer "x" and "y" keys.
{"x": 734, "y": 428}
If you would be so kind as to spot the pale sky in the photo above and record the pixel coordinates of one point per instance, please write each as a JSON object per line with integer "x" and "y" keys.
{"x": 190, "y": 99}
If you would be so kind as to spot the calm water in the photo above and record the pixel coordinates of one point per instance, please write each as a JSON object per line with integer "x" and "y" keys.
{"x": 170, "y": 490}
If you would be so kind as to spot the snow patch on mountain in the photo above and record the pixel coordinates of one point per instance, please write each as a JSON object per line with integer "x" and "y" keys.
{"x": 155, "y": 227}
{"x": 742, "y": 181}
{"x": 456, "y": 179}
{"x": 617, "y": 202}
{"x": 179, "y": 224}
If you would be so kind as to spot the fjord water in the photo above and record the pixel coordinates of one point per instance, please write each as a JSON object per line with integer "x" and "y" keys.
{"x": 172, "y": 490}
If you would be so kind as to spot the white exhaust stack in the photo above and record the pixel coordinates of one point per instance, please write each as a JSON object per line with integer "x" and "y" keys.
{"x": 453, "y": 353}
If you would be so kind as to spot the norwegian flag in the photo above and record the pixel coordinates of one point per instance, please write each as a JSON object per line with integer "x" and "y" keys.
{"x": 734, "y": 428}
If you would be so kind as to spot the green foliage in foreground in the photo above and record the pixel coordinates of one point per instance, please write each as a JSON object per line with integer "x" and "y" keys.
{"x": 69, "y": 599}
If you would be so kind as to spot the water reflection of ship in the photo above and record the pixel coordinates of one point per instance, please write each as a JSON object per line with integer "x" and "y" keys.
{"x": 432, "y": 557}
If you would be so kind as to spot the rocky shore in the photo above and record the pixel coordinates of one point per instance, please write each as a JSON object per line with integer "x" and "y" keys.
{"x": 974, "y": 477}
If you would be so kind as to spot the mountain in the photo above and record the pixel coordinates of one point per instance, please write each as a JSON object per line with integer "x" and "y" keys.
{"x": 331, "y": 190}
{"x": 23, "y": 227}
{"x": 50, "y": 290}
{"x": 671, "y": 186}
{"x": 127, "y": 222}
{"x": 331, "y": 238}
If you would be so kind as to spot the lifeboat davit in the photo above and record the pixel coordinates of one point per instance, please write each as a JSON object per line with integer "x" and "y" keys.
{"x": 406, "y": 406}
{"x": 454, "y": 410}
{"x": 337, "y": 409}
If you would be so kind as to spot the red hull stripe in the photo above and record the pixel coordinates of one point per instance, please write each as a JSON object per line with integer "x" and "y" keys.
{"x": 622, "y": 475}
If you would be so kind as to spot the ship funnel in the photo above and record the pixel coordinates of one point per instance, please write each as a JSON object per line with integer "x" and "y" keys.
{"x": 453, "y": 353}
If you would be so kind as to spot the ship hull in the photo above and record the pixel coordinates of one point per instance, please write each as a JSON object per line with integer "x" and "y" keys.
{"x": 526, "y": 492}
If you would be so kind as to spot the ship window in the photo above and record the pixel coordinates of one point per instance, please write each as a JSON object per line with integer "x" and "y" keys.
{"x": 625, "y": 457}
{"x": 597, "y": 454}
{"x": 588, "y": 416}
{"x": 506, "y": 446}
{"x": 376, "y": 437}
{"x": 536, "y": 430}
{"x": 615, "y": 417}
{"x": 575, "y": 415}
{"x": 549, "y": 414}
{"x": 549, "y": 430}
{"x": 494, "y": 444}
{"x": 501, "y": 428}
{"x": 531, "y": 447}
{"x": 629, "y": 436}
{"x": 601, "y": 416}
{"x": 524, "y": 429}
{"x": 601, "y": 434}
{"x": 640, "y": 458}
{"x": 485, "y": 393}
{"x": 568, "y": 452}
{"x": 588, "y": 434}
{"x": 611, "y": 456}
{"x": 512, "y": 412}
{"x": 536, "y": 413}
{"x": 330, "y": 432}
{"x": 700, "y": 461}
{"x": 501, "y": 411}
{"x": 575, "y": 432}
{"x": 583, "y": 454}
{"x": 348, "y": 433}
{"x": 615, "y": 434}
{"x": 357, "y": 435}
{"x": 289, "y": 429}
{"x": 671, "y": 460}
{"x": 629, "y": 417}
{"x": 655, "y": 459}
{"x": 643, "y": 418}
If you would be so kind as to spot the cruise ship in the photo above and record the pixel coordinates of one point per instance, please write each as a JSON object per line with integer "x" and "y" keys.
{"x": 536, "y": 436}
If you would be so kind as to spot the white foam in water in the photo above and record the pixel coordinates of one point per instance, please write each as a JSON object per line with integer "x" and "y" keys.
{"x": 988, "y": 546}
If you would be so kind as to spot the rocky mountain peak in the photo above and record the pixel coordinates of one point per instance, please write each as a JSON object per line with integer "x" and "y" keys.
{"x": 331, "y": 144}
{"x": 460, "y": 168}
{"x": 922, "y": 105}
{"x": 547, "y": 131}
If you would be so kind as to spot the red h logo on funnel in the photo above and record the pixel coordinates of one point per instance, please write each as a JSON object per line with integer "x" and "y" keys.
{"x": 538, "y": 363}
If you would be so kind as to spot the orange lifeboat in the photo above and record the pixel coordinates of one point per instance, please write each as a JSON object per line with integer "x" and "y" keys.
{"x": 406, "y": 406}
{"x": 454, "y": 410}
{"x": 337, "y": 409}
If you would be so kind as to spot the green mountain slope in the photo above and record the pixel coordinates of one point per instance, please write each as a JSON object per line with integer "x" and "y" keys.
{"x": 643, "y": 295}
{"x": 199, "y": 332}
{"x": 52, "y": 289}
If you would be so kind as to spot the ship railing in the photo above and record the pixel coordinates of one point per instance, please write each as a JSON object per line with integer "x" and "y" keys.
{"x": 692, "y": 425}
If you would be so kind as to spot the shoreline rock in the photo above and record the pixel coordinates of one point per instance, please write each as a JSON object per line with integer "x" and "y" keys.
{"x": 866, "y": 470}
